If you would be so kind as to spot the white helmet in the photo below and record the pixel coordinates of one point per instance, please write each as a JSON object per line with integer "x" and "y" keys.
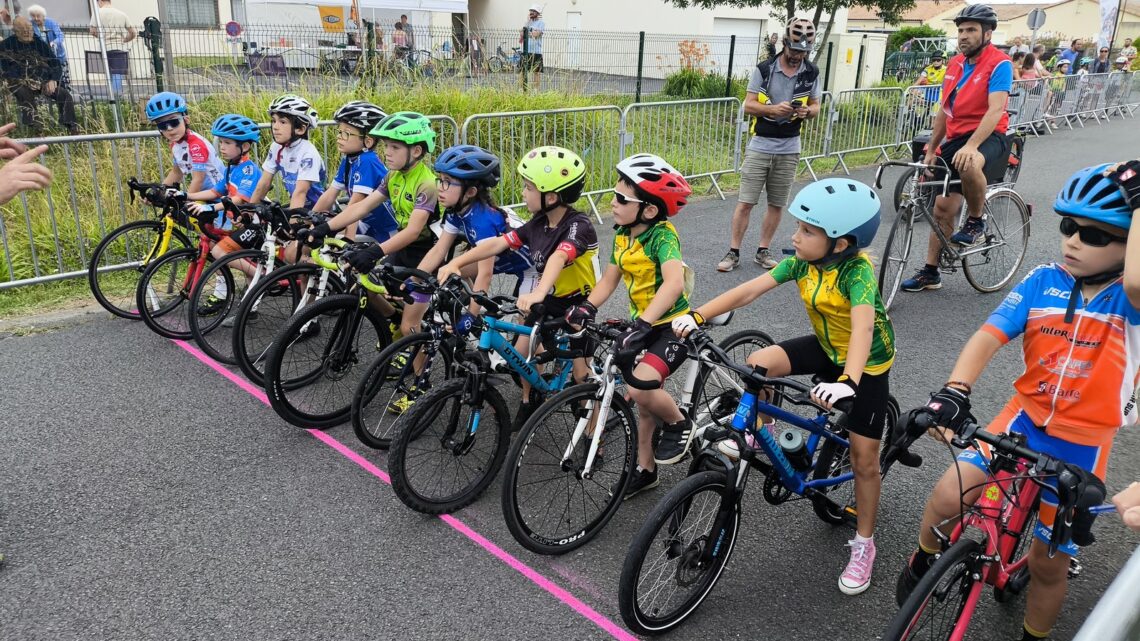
{"x": 296, "y": 106}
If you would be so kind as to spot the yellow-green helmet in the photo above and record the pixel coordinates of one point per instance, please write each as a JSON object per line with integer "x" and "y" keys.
{"x": 552, "y": 169}
{"x": 407, "y": 127}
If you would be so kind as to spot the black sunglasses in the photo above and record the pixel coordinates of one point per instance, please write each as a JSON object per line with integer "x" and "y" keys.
{"x": 1091, "y": 236}
{"x": 165, "y": 125}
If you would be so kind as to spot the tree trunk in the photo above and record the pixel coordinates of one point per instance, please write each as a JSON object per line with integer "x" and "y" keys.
{"x": 826, "y": 33}
{"x": 790, "y": 10}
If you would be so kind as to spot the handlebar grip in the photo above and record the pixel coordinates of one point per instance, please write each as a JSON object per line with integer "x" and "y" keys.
{"x": 634, "y": 382}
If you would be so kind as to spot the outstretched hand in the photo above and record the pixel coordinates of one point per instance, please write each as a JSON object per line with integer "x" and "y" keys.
{"x": 9, "y": 148}
{"x": 23, "y": 173}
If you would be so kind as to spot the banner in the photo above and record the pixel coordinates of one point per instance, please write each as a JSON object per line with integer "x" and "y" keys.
{"x": 1107, "y": 21}
{"x": 332, "y": 18}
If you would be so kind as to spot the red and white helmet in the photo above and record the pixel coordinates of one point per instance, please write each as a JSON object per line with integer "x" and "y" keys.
{"x": 652, "y": 175}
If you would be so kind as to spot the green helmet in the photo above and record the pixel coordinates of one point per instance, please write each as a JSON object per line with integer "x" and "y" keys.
{"x": 552, "y": 169}
{"x": 407, "y": 127}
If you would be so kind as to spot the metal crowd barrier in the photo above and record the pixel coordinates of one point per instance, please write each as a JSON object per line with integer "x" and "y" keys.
{"x": 696, "y": 136}
{"x": 592, "y": 132}
{"x": 861, "y": 120}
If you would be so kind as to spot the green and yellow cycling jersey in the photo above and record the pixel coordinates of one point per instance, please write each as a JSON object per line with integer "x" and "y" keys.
{"x": 410, "y": 190}
{"x": 829, "y": 293}
{"x": 640, "y": 260}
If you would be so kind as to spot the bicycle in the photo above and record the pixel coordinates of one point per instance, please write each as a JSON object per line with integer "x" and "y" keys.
{"x": 309, "y": 374}
{"x": 681, "y": 550}
{"x": 502, "y": 62}
{"x": 561, "y": 446}
{"x": 989, "y": 545}
{"x": 464, "y": 424}
{"x": 986, "y": 265}
{"x": 119, "y": 260}
{"x": 211, "y": 316}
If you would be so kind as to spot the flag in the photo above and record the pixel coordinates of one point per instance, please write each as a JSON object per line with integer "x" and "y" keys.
{"x": 332, "y": 18}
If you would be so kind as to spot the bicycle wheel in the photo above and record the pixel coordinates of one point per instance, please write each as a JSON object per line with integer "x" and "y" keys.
{"x": 216, "y": 298}
{"x": 549, "y": 506}
{"x": 391, "y": 386}
{"x": 163, "y": 291}
{"x": 933, "y": 609}
{"x": 1006, "y": 239}
{"x": 447, "y": 452}
{"x": 664, "y": 578}
{"x": 836, "y": 504}
{"x": 495, "y": 64}
{"x": 896, "y": 253}
{"x": 315, "y": 366}
{"x": 119, "y": 261}
{"x": 716, "y": 392}
{"x": 266, "y": 309}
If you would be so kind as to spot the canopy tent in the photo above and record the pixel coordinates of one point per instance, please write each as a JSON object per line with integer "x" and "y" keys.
{"x": 443, "y": 6}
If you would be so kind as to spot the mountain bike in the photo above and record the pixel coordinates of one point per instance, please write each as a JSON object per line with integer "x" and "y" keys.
{"x": 454, "y": 440}
{"x": 990, "y": 543}
{"x": 567, "y": 471}
{"x": 682, "y": 549}
{"x": 319, "y": 356}
{"x": 989, "y": 265}
{"x": 119, "y": 260}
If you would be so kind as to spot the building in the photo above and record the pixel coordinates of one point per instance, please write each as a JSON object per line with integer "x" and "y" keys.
{"x": 868, "y": 20}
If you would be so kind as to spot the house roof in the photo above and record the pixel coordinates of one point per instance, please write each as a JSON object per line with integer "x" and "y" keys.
{"x": 922, "y": 11}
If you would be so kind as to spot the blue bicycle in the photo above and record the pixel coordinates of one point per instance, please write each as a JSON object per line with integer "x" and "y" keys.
{"x": 448, "y": 448}
{"x": 681, "y": 551}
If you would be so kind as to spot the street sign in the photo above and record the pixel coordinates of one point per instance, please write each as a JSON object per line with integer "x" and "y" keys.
{"x": 233, "y": 29}
{"x": 1036, "y": 19}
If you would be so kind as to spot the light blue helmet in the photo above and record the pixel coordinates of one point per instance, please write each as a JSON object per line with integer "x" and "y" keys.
{"x": 163, "y": 104}
{"x": 236, "y": 127}
{"x": 841, "y": 207}
{"x": 1089, "y": 194}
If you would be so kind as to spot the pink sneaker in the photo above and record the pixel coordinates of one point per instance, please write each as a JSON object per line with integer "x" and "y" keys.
{"x": 857, "y": 577}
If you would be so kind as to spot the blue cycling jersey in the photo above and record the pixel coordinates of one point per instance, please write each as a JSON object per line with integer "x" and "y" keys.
{"x": 481, "y": 223}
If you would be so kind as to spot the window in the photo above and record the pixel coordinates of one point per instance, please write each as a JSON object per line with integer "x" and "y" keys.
{"x": 192, "y": 13}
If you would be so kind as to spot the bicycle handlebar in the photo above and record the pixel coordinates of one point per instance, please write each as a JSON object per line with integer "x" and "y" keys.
{"x": 945, "y": 169}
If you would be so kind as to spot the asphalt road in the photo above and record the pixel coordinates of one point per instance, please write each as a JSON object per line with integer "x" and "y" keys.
{"x": 143, "y": 495}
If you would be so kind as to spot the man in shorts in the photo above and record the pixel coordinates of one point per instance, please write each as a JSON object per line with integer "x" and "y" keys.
{"x": 969, "y": 135}
{"x": 532, "y": 33}
{"x": 784, "y": 91}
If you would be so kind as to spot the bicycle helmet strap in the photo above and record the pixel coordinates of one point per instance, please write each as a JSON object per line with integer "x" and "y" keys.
{"x": 1095, "y": 279}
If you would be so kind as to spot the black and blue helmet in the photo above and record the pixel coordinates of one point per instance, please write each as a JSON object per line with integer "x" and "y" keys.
{"x": 1090, "y": 194}
{"x": 470, "y": 164}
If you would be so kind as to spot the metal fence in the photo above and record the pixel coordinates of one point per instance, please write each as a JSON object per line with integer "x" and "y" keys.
{"x": 49, "y": 235}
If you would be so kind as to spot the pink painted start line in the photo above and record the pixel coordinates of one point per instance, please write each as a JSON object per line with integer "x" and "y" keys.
{"x": 499, "y": 553}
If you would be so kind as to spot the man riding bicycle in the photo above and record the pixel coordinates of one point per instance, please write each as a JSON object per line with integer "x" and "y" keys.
{"x": 971, "y": 129}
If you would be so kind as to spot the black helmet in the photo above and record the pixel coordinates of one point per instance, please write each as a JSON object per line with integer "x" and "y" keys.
{"x": 938, "y": 55}
{"x": 982, "y": 14}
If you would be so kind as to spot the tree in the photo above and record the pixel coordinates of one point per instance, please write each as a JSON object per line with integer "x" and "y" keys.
{"x": 896, "y": 40}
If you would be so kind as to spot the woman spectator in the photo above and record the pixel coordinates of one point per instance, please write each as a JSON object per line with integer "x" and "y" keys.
{"x": 399, "y": 41}
{"x": 48, "y": 30}
{"x": 1018, "y": 59}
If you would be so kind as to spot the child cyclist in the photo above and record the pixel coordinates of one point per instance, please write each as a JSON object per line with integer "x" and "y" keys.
{"x": 361, "y": 171}
{"x": 235, "y": 135}
{"x": 853, "y": 345}
{"x": 562, "y": 243}
{"x": 467, "y": 174}
{"x": 647, "y": 256}
{"x": 291, "y": 155}
{"x": 193, "y": 155}
{"x": 1080, "y": 329}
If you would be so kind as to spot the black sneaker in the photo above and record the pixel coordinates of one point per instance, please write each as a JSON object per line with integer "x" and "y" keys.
{"x": 642, "y": 480}
{"x": 923, "y": 279}
{"x": 905, "y": 585}
{"x": 526, "y": 408}
{"x": 972, "y": 230}
{"x": 675, "y": 439}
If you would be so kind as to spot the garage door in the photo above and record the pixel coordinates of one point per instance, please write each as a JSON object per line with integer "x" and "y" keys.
{"x": 748, "y": 36}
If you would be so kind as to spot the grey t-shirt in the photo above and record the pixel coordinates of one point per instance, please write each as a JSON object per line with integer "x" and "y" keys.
{"x": 535, "y": 44}
{"x": 780, "y": 89}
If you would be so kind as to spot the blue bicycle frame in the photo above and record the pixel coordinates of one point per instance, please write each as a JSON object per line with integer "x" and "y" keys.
{"x": 492, "y": 339}
{"x": 745, "y": 421}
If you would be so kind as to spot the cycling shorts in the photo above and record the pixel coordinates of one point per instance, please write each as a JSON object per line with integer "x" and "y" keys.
{"x": 664, "y": 352}
{"x": 1013, "y": 419}
{"x": 869, "y": 415}
{"x": 995, "y": 150}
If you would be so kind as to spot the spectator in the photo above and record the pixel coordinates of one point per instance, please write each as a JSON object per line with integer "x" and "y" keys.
{"x": 399, "y": 41}
{"x": 532, "y": 61}
{"x": 1128, "y": 51}
{"x": 409, "y": 32}
{"x": 1017, "y": 46}
{"x": 1018, "y": 59}
{"x": 48, "y": 30}
{"x": 773, "y": 40}
{"x": 29, "y": 68}
{"x": 1101, "y": 64}
{"x": 1039, "y": 54}
{"x": 1028, "y": 67}
{"x": 5, "y": 22}
{"x": 475, "y": 48}
{"x": 1074, "y": 51}
{"x": 117, "y": 34}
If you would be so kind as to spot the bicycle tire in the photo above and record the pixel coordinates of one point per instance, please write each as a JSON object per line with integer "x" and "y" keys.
{"x": 835, "y": 460}
{"x": 671, "y": 512}
{"x": 546, "y": 442}
{"x": 999, "y": 229}
{"x": 373, "y": 421}
{"x": 263, "y": 313}
{"x": 495, "y": 64}
{"x": 308, "y": 385}
{"x": 104, "y": 284}
{"x": 163, "y": 291}
{"x": 900, "y": 241}
{"x": 211, "y": 326}
{"x": 1016, "y": 151}
{"x": 404, "y": 461}
{"x": 718, "y": 406}
{"x": 954, "y": 566}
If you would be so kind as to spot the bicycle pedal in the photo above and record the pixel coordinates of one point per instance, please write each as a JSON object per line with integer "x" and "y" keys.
{"x": 1075, "y": 568}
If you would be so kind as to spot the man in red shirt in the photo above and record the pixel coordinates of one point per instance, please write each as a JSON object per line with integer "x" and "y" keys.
{"x": 969, "y": 134}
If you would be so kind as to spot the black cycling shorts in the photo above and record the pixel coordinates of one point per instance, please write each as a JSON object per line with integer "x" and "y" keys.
{"x": 869, "y": 415}
{"x": 664, "y": 352}
{"x": 995, "y": 149}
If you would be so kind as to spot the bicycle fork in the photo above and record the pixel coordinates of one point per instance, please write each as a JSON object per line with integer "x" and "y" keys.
{"x": 602, "y": 415}
{"x": 451, "y": 440}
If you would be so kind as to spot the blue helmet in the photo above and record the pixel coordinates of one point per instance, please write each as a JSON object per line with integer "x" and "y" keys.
{"x": 470, "y": 164}
{"x": 236, "y": 127}
{"x": 1089, "y": 194}
{"x": 841, "y": 207}
{"x": 163, "y": 104}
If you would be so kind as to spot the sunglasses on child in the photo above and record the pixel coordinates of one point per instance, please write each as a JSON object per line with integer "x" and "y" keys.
{"x": 1091, "y": 236}
{"x": 166, "y": 125}
{"x": 622, "y": 199}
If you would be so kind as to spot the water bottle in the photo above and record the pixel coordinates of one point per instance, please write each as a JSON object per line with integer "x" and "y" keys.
{"x": 795, "y": 448}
